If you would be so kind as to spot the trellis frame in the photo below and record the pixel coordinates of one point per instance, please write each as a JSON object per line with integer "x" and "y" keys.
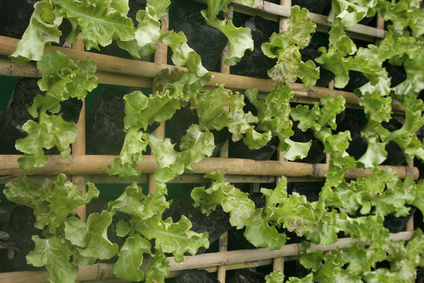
{"x": 133, "y": 73}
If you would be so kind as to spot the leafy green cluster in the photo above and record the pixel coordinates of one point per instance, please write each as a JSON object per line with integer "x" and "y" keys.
{"x": 65, "y": 235}
{"x": 355, "y": 208}
{"x": 358, "y": 263}
{"x": 87, "y": 243}
{"x": 145, "y": 225}
{"x": 61, "y": 79}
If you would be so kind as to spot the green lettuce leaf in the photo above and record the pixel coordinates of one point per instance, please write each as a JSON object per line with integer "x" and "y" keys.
{"x": 43, "y": 29}
{"x": 232, "y": 200}
{"x": 170, "y": 237}
{"x": 259, "y": 233}
{"x": 52, "y": 202}
{"x": 403, "y": 14}
{"x": 61, "y": 79}
{"x": 133, "y": 202}
{"x": 75, "y": 231}
{"x": 240, "y": 39}
{"x": 223, "y": 108}
{"x": 350, "y": 13}
{"x": 419, "y": 199}
{"x": 142, "y": 111}
{"x": 159, "y": 267}
{"x": 285, "y": 47}
{"x": 184, "y": 55}
{"x": 54, "y": 256}
{"x": 273, "y": 117}
{"x": 194, "y": 146}
{"x": 148, "y": 32}
{"x": 131, "y": 257}
{"x": 98, "y": 245}
{"x": 275, "y": 277}
{"x": 97, "y": 23}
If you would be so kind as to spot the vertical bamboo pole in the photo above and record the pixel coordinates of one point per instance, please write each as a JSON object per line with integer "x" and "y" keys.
{"x": 223, "y": 239}
{"x": 79, "y": 146}
{"x": 278, "y": 263}
{"x": 161, "y": 56}
{"x": 410, "y": 224}
{"x": 283, "y": 21}
{"x": 225, "y": 69}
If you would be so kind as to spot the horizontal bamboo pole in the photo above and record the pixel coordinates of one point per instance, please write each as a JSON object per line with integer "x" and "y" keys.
{"x": 182, "y": 179}
{"x": 97, "y": 164}
{"x": 271, "y": 11}
{"x": 210, "y": 260}
{"x": 8, "y": 68}
{"x": 127, "y": 71}
{"x": 231, "y": 257}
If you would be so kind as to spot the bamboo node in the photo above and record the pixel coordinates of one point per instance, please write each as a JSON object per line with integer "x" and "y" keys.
{"x": 259, "y": 4}
{"x": 315, "y": 171}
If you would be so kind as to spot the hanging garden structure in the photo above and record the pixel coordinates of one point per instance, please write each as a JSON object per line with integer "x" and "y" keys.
{"x": 147, "y": 139}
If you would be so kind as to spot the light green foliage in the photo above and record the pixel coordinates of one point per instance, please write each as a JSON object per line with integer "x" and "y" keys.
{"x": 97, "y": 22}
{"x": 240, "y": 39}
{"x": 356, "y": 208}
{"x": 184, "y": 55}
{"x": 146, "y": 224}
{"x": 158, "y": 268}
{"x": 147, "y": 32}
{"x": 170, "y": 237}
{"x": 275, "y": 277}
{"x": 98, "y": 245}
{"x": 259, "y": 233}
{"x": 232, "y": 200}
{"x": 403, "y": 14}
{"x": 54, "y": 256}
{"x": 273, "y": 119}
{"x": 133, "y": 202}
{"x": 195, "y": 146}
{"x": 52, "y": 201}
{"x": 61, "y": 79}
{"x": 43, "y": 29}
{"x": 131, "y": 257}
{"x": 285, "y": 47}
{"x": 223, "y": 108}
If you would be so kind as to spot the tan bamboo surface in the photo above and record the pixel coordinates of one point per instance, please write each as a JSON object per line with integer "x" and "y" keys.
{"x": 271, "y": 11}
{"x": 223, "y": 153}
{"x": 161, "y": 56}
{"x": 182, "y": 179}
{"x": 278, "y": 263}
{"x": 79, "y": 146}
{"x": 210, "y": 260}
{"x": 136, "y": 68}
{"x": 97, "y": 164}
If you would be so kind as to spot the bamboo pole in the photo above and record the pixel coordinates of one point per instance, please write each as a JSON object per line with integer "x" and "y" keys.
{"x": 144, "y": 179}
{"x": 225, "y": 69}
{"x": 8, "y": 68}
{"x": 271, "y": 11}
{"x": 79, "y": 146}
{"x": 210, "y": 260}
{"x": 161, "y": 56}
{"x": 135, "y": 68}
{"x": 278, "y": 263}
{"x": 97, "y": 164}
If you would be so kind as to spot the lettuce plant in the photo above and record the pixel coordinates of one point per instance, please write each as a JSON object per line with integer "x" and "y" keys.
{"x": 355, "y": 208}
